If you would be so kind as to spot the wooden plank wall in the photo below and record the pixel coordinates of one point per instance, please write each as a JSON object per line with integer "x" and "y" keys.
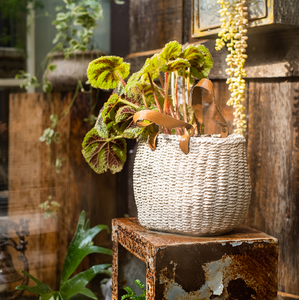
{"x": 273, "y": 119}
{"x": 32, "y": 179}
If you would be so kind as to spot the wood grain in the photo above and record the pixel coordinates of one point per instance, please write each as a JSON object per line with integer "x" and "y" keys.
{"x": 154, "y": 23}
{"x": 273, "y": 159}
{"x": 33, "y": 179}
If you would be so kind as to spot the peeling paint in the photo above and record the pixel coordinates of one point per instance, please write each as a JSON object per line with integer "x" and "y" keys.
{"x": 235, "y": 244}
{"x": 218, "y": 272}
{"x": 214, "y": 274}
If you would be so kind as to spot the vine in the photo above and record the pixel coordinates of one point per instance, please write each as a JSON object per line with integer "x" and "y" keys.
{"x": 233, "y": 35}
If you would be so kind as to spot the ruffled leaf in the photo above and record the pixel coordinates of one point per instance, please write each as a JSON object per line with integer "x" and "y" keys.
{"x": 124, "y": 123}
{"x": 109, "y": 109}
{"x": 204, "y": 70}
{"x": 105, "y": 72}
{"x": 193, "y": 55}
{"x": 101, "y": 127}
{"x": 171, "y": 51}
{"x": 175, "y": 65}
{"x": 104, "y": 154}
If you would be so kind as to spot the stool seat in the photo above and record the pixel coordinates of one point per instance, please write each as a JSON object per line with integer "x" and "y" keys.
{"x": 238, "y": 265}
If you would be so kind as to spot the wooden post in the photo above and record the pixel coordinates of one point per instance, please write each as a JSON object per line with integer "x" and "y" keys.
{"x": 33, "y": 180}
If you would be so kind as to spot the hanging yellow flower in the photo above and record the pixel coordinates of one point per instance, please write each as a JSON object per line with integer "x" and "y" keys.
{"x": 233, "y": 35}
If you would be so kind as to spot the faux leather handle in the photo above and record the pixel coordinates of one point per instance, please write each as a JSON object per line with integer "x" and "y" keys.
{"x": 146, "y": 118}
{"x": 165, "y": 121}
{"x": 197, "y": 105}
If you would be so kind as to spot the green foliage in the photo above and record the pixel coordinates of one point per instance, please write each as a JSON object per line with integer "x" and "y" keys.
{"x": 14, "y": 8}
{"x": 175, "y": 65}
{"x": 105, "y": 72}
{"x": 104, "y": 154}
{"x": 28, "y": 80}
{"x": 104, "y": 146}
{"x": 131, "y": 293}
{"x": 204, "y": 70}
{"x": 50, "y": 207}
{"x": 75, "y": 22}
{"x": 80, "y": 247}
{"x": 49, "y": 134}
{"x": 171, "y": 51}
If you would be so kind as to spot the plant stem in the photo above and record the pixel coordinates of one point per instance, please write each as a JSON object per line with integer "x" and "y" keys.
{"x": 176, "y": 102}
{"x": 154, "y": 92}
{"x": 143, "y": 97}
{"x": 121, "y": 80}
{"x": 166, "y": 101}
{"x": 184, "y": 99}
{"x": 161, "y": 81}
{"x": 144, "y": 100}
{"x": 188, "y": 88}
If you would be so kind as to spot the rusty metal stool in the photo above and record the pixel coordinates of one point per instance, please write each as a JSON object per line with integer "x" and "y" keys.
{"x": 238, "y": 265}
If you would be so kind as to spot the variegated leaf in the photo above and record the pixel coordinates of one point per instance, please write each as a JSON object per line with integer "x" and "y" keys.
{"x": 104, "y": 154}
{"x": 175, "y": 65}
{"x": 193, "y": 55}
{"x": 104, "y": 72}
{"x": 204, "y": 70}
{"x": 171, "y": 51}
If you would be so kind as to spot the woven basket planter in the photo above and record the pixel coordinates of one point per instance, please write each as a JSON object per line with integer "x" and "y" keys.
{"x": 202, "y": 193}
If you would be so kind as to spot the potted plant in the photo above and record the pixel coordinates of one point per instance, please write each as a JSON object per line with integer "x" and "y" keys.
{"x": 74, "y": 45}
{"x": 80, "y": 246}
{"x": 189, "y": 181}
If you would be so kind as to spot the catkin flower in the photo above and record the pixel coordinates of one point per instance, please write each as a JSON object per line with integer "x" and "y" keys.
{"x": 233, "y": 35}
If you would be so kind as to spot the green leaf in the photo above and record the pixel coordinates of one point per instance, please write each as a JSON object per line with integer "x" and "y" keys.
{"x": 104, "y": 72}
{"x": 52, "y": 67}
{"x": 129, "y": 290}
{"x": 104, "y": 154}
{"x": 124, "y": 124}
{"x": 54, "y": 296}
{"x": 77, "y": 284}
{"x": 203, "y": 71}
{"x": 171, "y": 51}
{"x": 175, "y": 65}
{"x": 101, "y": 127}
{"x": 40, "y": 288}
{"x": 109, "y": 108}
{"x": 193, "y": 55}
{"x": 139, "y": 284}
{"x": 124, "y": 113}
{"x": 60, "y": 16}
{"x": 133, "y": 80}
{"x": 119, "y": 90}
{"x": 80, "y": 246}
{"x": 153, "y": 66}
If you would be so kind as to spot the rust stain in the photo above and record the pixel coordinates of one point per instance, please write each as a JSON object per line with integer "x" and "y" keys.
{"x": 241, "y": 265}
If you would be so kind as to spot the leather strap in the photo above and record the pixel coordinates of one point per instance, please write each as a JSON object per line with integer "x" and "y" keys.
{"x": 146, "y": 118}
{"x": 197, "y": 105}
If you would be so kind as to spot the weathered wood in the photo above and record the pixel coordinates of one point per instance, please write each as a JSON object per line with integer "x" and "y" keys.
{"x": 273, "y": 158}
{"x": 119, "y": 29}
{"x": 154, "y": 23}
{"x": 286, "y": 12}
{"x": 33, "y": 179}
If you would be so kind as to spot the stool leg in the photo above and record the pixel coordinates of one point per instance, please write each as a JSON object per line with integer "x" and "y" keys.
{"x": 151, "y": 278}
{"x": 115, "y": 271}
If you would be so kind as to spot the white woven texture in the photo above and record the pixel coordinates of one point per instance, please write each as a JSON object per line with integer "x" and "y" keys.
{"x": 206, "y": 192}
